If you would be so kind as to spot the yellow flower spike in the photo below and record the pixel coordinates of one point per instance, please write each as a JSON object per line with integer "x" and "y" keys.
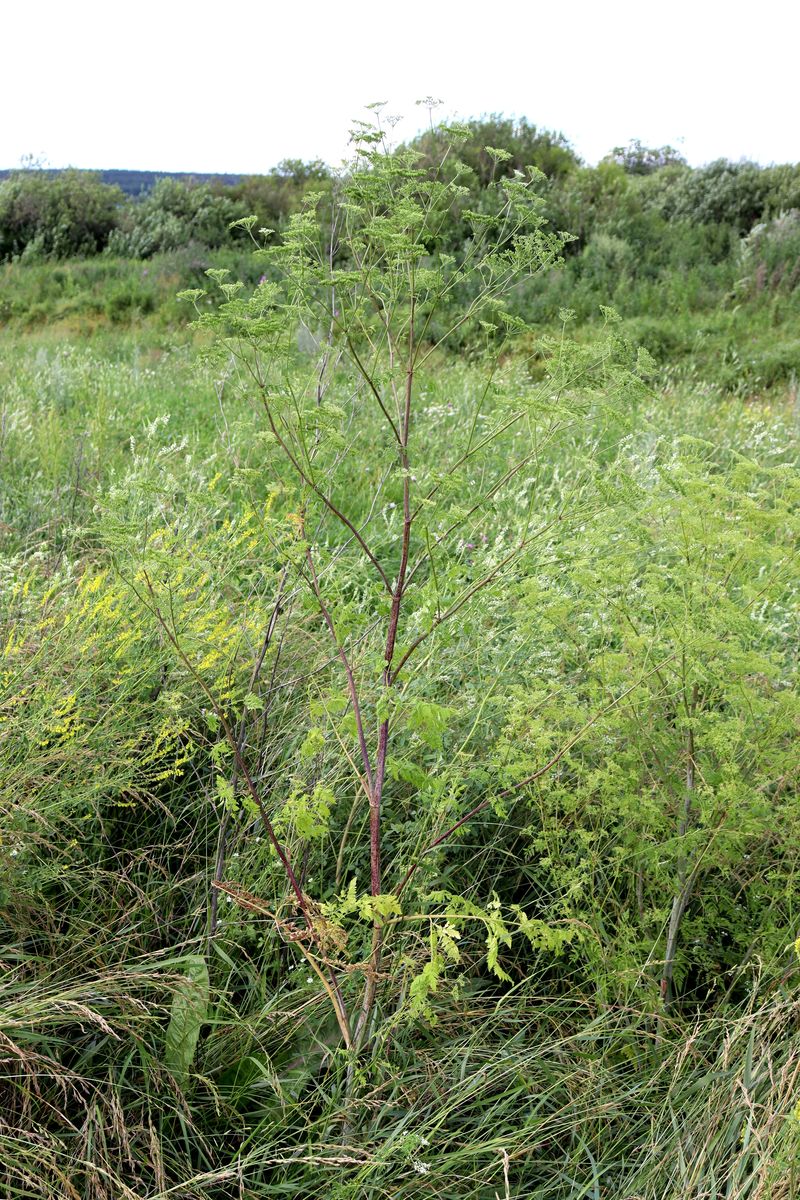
{"x": 270, "y": 502}
{"x": 90, "y": 585}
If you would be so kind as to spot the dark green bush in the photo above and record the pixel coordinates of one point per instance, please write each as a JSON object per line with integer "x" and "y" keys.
{"x": 275, "y": 196}
{"x": 47, "y": 215}
{"x": 171, "y": 216}
{"x": 520, "y": 143}
{"x": 637, "y": 159}
{"x": 723, "y": 193}
{"x": 770, "y": 255}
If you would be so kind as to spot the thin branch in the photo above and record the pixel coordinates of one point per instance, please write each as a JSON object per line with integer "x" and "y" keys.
{"x": 333, "y": 989}
{"x": 306, "y": 478}
{"x": 470, "y": 592}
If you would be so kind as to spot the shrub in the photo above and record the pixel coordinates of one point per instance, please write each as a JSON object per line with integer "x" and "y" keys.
{"x": 275, "y": 196}
{"x": 770, "y": 255}
{"x": 173, "y": 215}
{"x": 606, "y": 262}
{"x": 55, "y": 215}
{"x": 637, "y": 159}
{"x": 494, "y": 147}
{"x": 723, "y": 193}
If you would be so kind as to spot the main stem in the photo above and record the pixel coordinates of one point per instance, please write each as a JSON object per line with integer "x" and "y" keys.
{"x": 376, "y": 791}
{"x": 394, "y": 621}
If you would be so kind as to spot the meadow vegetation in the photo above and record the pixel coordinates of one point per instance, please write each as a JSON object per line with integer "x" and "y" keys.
{"x": 398, "y": 680}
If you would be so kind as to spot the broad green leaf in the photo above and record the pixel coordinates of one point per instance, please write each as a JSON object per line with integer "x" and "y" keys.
{"x": 189, "y": 1011}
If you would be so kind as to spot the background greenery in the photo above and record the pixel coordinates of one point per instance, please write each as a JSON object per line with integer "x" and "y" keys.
{"x": 701, "y": 263}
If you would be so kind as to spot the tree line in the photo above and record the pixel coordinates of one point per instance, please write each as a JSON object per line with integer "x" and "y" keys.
{"x": 648, "y": 198}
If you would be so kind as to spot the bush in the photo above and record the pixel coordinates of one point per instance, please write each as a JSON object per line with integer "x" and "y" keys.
{"x": 606, "y": 261}
{"x": 275, "y": 196}
{"x": 44, "y": 215}
{"x": 723, "y": 193}
{"x": 520, "y": 145}
{"x": 171, "y": 216}
{"x": 637, "y": 159}
{"x": 770, "y": 255}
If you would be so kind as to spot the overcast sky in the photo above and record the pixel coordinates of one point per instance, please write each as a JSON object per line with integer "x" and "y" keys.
{"x": 237, "y": 86}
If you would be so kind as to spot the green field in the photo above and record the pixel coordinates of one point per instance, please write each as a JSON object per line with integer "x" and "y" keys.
{"x": 570, "y": 971}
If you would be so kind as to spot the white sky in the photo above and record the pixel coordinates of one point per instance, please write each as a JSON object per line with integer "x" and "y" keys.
{"x": 237, "y": 86}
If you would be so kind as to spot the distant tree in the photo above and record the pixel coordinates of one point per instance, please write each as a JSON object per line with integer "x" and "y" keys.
{"x": 275, "y": 196}
{"x": 483, "y": 153}
{"x": 519, "y": 143}
{"x": 173, "y": 215}
{"x": 637, "y": 159}
{"x": 590, "y": 198}
{"x": 722, "y": 193}
{"x": 61, "y": 214}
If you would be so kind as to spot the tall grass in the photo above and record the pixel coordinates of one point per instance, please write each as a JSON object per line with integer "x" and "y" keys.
{"x": 571, "y": 1080}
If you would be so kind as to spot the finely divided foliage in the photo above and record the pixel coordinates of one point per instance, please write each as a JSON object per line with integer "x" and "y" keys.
{"x": 359, "y": 285}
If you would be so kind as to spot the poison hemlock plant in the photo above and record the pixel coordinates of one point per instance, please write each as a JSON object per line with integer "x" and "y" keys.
{"x": 392, "y": 526}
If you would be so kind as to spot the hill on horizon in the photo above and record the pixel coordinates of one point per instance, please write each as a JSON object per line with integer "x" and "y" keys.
{"x": 138, "y": 183}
